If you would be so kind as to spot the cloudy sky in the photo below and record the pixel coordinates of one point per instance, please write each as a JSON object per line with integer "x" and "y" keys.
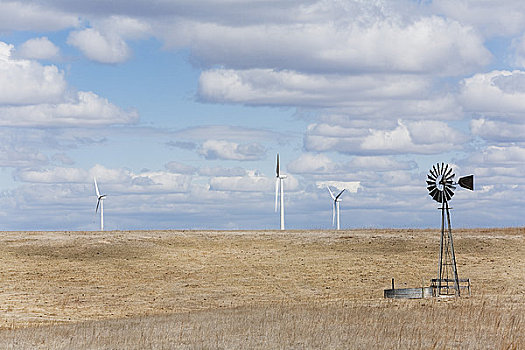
{"x": 179, "y": 107}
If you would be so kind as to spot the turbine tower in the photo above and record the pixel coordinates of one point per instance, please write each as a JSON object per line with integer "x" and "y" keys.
{"x": 335, "y": 208}
{"x": 279, "y": 184}
{"x": 100, "y": 203}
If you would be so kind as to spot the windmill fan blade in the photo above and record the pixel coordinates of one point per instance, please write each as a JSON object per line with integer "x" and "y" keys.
{"x": 467, "y": 182}
{"x": 433, "y": 192}
{"x": 445, "y": 169}
{"x": 435, "y": 173}
{"x": 340, "y": 193}
{"x": 98, "y": 203}
{"x": 448, "y": 194}
{"x": 447, "y": 174}
{"x": 431, "y": 178}
{"x": 430, "y": 183}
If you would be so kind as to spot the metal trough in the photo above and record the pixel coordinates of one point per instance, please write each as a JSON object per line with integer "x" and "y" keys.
{"x": 408, "y": 293}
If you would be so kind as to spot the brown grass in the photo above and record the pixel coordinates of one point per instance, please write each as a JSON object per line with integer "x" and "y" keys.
{"x": 313, "y": 289}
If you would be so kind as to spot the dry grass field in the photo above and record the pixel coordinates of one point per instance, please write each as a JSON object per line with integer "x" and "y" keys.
{"x": 256, "y": 289}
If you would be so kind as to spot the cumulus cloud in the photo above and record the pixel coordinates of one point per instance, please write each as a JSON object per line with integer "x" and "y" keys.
{"x": 285, "y": 87}
{"x": 39, "y": 49}
{"x": 20, "y": 156}
{"x": 113, "y": 180}
{"x": 497, "y": 130}
{"x": 225, "y": 132}
{"x": 358, "y": 94}
{"x": 85, "y": 109}
{"x": 28, "y": 82}
{"x": 220, "y": 149}
{"x": 180, "y": 168}
{"x": 96, "y": 46}
{"x": 510, "y": 156}
{"x": 418, "y": 137}
{"x": 492, "y": 18}
{"x": 106, "y": 41}
{"x": 350, "y": 186}
{"x": 252, "y": 181}
{"x": 337, "y": 45}
{"x": 34, "y": 16}
{"x": 495, "y": 94}
{"x": 309, "y": 163}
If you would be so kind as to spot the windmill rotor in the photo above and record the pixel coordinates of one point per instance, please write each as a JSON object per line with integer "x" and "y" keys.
{"x": 440, "y": 182}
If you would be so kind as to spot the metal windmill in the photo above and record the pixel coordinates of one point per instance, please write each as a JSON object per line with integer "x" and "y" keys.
{"x": 441, "y": 186}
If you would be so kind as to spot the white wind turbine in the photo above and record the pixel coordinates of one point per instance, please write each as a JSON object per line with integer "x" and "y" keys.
{"x": 279, "y": 184}
{"x": 335, "y": 207}
{"x": 100, "y": 203}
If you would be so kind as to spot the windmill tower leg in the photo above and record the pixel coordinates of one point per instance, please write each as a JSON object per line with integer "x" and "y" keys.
{"x": 453, "y": 255}
{"x": 447, "y": 259}
{"x": 282, "y": 203}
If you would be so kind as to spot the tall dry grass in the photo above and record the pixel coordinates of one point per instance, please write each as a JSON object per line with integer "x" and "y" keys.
{"x": 475, "y": 323}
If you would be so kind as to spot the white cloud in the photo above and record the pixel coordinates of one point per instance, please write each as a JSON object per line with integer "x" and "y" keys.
{"x": 495, "y": 94}
{"x": 221, "y": 172}
{"x": 20, "y": 156}
{"x": 31, "y": 16}
{"x": 105, "y": 42}
{"x": 227, "y": 132}
{"x": 28, "y": 82}
{"x": 350, "y": 186}
{"x": 501, "y": 156}
{"x": 85, "y": 109}
{"x": 220, "y": 149}
{"x": 497, "y": 130}
{"x": 39, "y": 49}
{"x": 99, "y": 47}
{"x": 492, "y": 18}
{"x": 267, "y": 86}
{"x": 336, "y": 45}
{"x": 253, "y": 181}
{"x": 309, "y": 163}
{"x": 180, "y": 168}
{"x": 379, "y": 163}
{"x": 418, "y": 137}
{"x": 112, "y": 180}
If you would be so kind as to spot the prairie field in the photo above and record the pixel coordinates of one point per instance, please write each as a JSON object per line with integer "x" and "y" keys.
{"x": 257, "y": 289}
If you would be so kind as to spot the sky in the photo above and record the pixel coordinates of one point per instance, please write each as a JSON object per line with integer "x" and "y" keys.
{"x": 179, "y": 107}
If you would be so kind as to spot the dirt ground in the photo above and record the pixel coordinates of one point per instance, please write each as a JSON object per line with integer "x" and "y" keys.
{"x": 63, "y": 277}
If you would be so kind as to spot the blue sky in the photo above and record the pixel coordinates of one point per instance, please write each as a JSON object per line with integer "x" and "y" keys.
{"x": 179, "y": 108}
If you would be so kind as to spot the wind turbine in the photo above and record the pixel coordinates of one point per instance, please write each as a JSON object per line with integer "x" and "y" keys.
{"x": 100, "y": 203}
{"x": 279, "y": 184}
{"x": 335, "y": 207}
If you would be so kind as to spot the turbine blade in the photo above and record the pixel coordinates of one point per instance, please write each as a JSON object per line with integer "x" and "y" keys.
{"x": 278, "y": 168}
{"x": 98, "y": 203}
{"x": 340, "y": 193}
{"x": 331, "y": 193}
{"x": 96, "y": 187}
